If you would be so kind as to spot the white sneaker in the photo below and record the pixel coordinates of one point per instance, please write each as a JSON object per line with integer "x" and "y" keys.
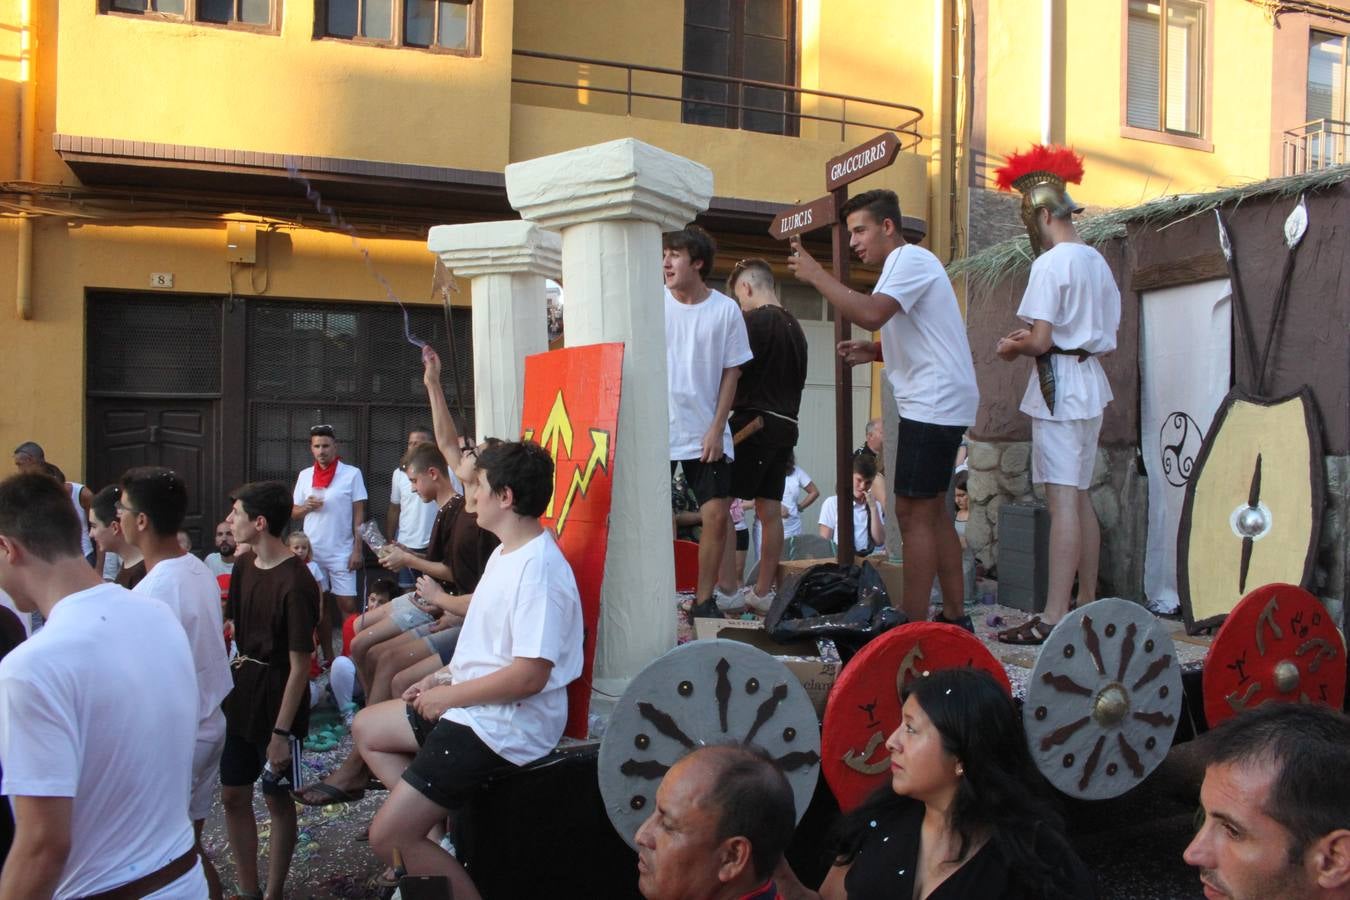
{"x": 730, "y": 602}
{"x": 760, "y": 604}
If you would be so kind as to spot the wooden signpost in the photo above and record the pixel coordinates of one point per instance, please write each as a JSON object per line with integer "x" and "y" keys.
{"x": 841, "y": 171}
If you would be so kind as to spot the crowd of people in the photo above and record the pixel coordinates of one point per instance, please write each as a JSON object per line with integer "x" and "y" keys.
{"x": 460, "y": 659}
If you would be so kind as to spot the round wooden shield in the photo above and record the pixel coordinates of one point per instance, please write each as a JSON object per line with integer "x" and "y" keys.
{"x": 704, "y": 692}
{"x": 1103, "y": 700}
{"x": 1279, "y": 643}
{"x": 1253, "y": 505}
{"x": 864, "y": 704}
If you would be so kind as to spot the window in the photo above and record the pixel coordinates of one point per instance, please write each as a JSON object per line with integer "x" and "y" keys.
{"x": 430, "y": 24}
{"x": 750, "y": 39}
{"x": 1327, "y": 78}
{"x": 221, "y": 12}
{"x": 1165, "y": 66}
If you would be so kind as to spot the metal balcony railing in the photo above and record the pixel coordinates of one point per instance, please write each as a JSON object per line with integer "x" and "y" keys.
{"x": 832, "y": 108}
{"x": 1316, "y": 145}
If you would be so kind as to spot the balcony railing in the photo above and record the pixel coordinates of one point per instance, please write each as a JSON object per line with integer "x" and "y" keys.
{"x": 829, "y": 107}
{"x": 1316, "y": 145}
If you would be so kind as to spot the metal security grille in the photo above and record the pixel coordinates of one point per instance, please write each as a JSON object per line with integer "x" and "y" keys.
{"x": 348, "y": 366}
{"x": 156, "y": 345}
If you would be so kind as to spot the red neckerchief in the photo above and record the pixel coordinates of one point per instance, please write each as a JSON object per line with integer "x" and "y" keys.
{"x": 766, "y": 891}
{"x": 323, "y": 477}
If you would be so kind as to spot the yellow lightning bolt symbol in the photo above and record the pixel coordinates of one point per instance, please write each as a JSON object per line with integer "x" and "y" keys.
{"x": 558, "y": 431}
{"x": 580, "y": 482}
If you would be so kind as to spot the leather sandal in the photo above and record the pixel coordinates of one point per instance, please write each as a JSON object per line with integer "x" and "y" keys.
{"x": 1033, "y": 632}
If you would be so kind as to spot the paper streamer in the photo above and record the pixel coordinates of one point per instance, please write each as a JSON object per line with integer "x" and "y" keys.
{"x": 335, "y": 219}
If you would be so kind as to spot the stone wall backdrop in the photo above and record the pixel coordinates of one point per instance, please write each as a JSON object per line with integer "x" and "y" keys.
{"x": 1000, "y": 472}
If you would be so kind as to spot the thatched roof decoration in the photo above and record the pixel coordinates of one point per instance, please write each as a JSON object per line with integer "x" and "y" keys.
{"x": 1008, "y": 257}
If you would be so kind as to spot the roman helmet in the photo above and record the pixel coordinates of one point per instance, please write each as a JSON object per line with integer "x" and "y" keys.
{"x": 1040, "y": 174}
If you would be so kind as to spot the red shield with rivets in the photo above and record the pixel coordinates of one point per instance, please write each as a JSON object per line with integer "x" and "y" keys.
{"x": 864, "y": 704}
{"x": 1278, "y": 643}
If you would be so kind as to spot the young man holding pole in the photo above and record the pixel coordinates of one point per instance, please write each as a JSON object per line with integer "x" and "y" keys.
{"x": 930, "y": 370}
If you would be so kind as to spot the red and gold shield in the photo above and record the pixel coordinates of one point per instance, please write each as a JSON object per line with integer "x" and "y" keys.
{"x": 864, "y": 704}
{"x": 1279, "y": 643}
{"x": 572, "y": 410}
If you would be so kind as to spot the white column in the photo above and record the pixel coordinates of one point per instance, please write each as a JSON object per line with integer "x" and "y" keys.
{"x": 612, "y": 202}
{"x": 507, "y": 263}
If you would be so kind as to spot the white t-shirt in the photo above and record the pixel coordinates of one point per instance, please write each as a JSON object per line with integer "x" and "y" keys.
{"x": 793, "y": 486}
{"x": 1072, "y": 288}
{"x": 187, "y": 586}
{"x": 829, "y": 517}
{"x": 330, "y": 526}
{"x": 101, "y": 706}
{"x": 702, "y": 340}
{"x": 928, "y": 361}
{"x": 526, "y": 605}
{"x": 86, "y": 539}
{"x": 217, "y": 564}
{"x": 415, "y": 515}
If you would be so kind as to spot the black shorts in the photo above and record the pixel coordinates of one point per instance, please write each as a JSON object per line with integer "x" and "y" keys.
{"x": 925, "y": 456}
{"x": 242, "y": 761}
{"x": 708, "y": 481}
{"x": 759, "y": 470}
{"x": 452, "y": 763}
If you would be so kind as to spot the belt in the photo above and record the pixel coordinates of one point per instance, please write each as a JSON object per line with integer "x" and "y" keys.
{"x": 156, "y": 880}
{"x": 1083, "y": 355}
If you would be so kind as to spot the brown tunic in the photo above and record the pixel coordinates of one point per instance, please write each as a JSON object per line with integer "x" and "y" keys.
{"x": 275, "y": 612}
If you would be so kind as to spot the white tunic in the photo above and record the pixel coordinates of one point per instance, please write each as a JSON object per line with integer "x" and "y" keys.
{"x": 1072, "y": 288}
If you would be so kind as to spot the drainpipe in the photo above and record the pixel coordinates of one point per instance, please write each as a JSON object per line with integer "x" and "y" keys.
{"x": 1047, "y": 70}
{"x": 23, "y": 282}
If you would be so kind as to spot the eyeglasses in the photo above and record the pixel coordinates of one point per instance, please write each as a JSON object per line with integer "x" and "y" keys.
{"x": 470, "y": 449}
{"x": 321, "y": 431}
{"x": 123, "y": 509}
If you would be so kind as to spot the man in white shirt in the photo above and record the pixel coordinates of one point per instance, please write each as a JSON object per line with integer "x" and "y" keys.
{"x": 706, "y": 343}
{"x": 502, "y": 701}
{"x": 149, "y": 512}
{"x": 409, "y": 519}
{"x": 330, "y": 496}
{"x": 97, "y": 752}
{"x": 1072, "y": 310}
{"x": 930, "y": 370}
{"x": 222, "y": 561}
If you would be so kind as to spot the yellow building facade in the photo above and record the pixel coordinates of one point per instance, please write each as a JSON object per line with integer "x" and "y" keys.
{"x": 170, "y": 295}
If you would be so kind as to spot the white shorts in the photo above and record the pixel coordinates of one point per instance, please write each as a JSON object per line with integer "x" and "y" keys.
{"x": 341, "y": 580}
{"x": 1064, "y": 451}
{"x": 205, "y": 776}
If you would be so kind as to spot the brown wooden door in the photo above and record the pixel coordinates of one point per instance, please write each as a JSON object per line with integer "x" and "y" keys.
{"x": 178, "y": 434}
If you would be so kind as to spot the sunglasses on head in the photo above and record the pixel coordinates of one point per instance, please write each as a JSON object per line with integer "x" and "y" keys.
{"x": 321, "y": 431}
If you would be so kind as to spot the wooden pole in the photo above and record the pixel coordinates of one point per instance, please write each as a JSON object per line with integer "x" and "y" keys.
{"x": 843, "y": 396}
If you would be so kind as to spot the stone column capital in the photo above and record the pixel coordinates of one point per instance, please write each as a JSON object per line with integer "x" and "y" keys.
{"x": 624, "y": 179}
{"x": 497, "y": 248}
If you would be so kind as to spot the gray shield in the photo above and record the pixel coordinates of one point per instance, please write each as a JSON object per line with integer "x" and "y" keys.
{"x": 1102, "y": 702}
{"x": 705, "y": 692}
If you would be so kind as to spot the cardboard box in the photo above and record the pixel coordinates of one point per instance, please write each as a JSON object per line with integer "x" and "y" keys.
{"x": 892, "y": 574}
{"x": 817, "y": 675}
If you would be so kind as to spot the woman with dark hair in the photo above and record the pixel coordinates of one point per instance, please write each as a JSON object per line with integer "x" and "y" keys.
{"x": 964, "y": 815}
